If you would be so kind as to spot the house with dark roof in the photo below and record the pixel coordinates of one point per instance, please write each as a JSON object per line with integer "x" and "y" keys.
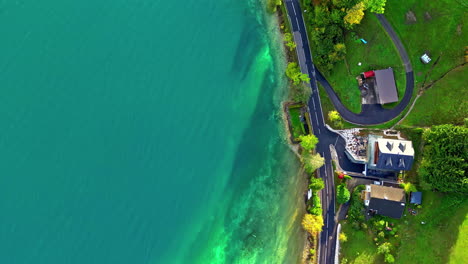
{"x": 383, "y": 200}
{"x": 390, "y": 154}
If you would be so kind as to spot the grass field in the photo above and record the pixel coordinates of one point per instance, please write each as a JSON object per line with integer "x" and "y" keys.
{"x": 378, "y": 53}
{"x": 442, "y": 32}
{"x": 443, "y": 103}
{"x": 432, "y": 242}
{"x": 297, "y": 126}
{"x": 441, "y": 239}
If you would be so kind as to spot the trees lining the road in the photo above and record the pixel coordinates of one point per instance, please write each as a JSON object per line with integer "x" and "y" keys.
{"x": 312, "y": 223}
{"x": 295, "y": 75}
{"x": 308, "y": 142}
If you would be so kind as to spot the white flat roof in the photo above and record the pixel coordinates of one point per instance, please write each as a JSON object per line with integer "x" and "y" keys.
{"x": 395, "y": 146}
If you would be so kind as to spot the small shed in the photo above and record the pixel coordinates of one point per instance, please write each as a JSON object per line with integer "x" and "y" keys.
{"x": 425, "y": 58}
{"x": 416, "y": 198}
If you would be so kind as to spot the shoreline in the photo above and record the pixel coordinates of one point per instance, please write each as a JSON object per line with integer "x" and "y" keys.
{"x": 286, "y": 55}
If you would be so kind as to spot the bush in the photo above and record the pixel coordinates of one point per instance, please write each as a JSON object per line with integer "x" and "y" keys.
{"x": 343, "y": 237}
{"x": 357, "y": 206}
{"x": 316, "y": 184}
{"x": 389, "y": 258}
{"x": 342, "y": 194}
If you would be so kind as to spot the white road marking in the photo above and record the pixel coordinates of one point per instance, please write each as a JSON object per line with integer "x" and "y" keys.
{"x": 319, "y": 131}
{"x": 294, "y": 9}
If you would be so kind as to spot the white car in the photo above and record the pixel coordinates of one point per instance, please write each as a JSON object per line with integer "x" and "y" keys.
{"x": 377, "y": 183}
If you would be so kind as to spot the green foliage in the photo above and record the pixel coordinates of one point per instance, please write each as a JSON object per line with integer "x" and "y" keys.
{"x": 316, "y": 184}
{"x": 296, "y": 124}
{"x": 294, "y": 73}
{"x": 312, "y": 162}
{"x": 272, "y": 5}
{"x": 335, "y": 118}
{"x": 444, "y": 164}
{"x": 375, "y": 6}
{"x": 316, "y": 206}
{"x": 308, "y": 142}
{"x": 384, "y": 248}
{"x": 300, "y": 93}
{"x": 389, "y": 258}
{"x": 289, "y": 41}
{"x": 356, "y": 207}
{"x": 408, "y": 187}
{"x": 355, "y": 14}
{"x": 343, "y": 237}
{"x": 342, "y": 194}
{"x": 326, "y": 31}
{"x": 312, "y": 251}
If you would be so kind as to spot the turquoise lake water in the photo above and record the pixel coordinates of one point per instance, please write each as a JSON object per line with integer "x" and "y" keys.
{"x": 144, "y": 132}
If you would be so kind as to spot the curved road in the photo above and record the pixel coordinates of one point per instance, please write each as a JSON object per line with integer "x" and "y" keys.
{"x": 371, "y": 114}
{"x": 375, "y": 114}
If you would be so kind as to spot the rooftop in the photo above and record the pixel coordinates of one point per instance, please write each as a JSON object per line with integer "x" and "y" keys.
{"x": 386, "y": 90}
{"x": 396, "y": 146}
{"x": 387, "y": 193}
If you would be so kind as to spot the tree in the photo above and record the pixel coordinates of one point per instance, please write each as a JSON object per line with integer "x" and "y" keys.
{"x": 316, "y": 184}
{"x": 312, "y": 223}
{"x": 308, "y": 142}
{"x": 444, "y": 165}
{"x": 294, "y": 73}
{"x": 355, "y": 14}
{"x": 272, "y": 5}
{"x": 376, "y": 6}
{"x": 312, "y": 162}
{"x": 342, "y": 194}
{"x": 289, "y": 41}
{"x": 343, "y": 237}
{"x": 335, "y": 118}
{"x": 408, "y": 187}
{"x": 389, "y": 258}
{"x": 384, "y": 248}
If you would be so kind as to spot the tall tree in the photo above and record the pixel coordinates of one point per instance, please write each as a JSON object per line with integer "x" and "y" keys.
{"x": 312, "y": 223}
{"x": 376, "y": 6}
{"x": 444, "y": 163}
{"x": 312, "y": 162}
{"x": 308, "y": 142}
{"x": 355, "y": 14}
{"x": 294, "y": 73}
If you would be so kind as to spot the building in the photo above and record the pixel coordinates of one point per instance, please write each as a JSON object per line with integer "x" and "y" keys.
{"x": 383, "y": 200}
{"x": 416, "y": 198}
{"x": 389, "y": 154}
{"x": 383, "y": 83}
{"x": 385, "y": 90}
{"x": 425, "y": 58}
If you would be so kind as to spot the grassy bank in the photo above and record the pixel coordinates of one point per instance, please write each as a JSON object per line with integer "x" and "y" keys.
{"x": 443, "y": 103}
{"x": 439, "y": 28}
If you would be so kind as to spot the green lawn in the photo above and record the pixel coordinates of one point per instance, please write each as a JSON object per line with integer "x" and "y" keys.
{"x": 297, "y": 126}
{"x": 459, "y": 254}
{"x": 378, "y": 53}
{"x": 443, "y": 103}
{"x": 442, "y": 33}
{"x": 433, "y": 241}
{"x": 441, "y": 239}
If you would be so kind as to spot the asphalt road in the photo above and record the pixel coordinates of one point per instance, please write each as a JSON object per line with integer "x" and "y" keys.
{"x": 371, "y": 114}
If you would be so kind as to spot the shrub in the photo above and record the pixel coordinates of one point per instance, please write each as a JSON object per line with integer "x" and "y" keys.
{"x": 316, "y": 184}
{"x": 342, "y": 194}
{"x": 389, "y": 258}
{"x": 343, "y": 237}
{"x": 312, "y": 251}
